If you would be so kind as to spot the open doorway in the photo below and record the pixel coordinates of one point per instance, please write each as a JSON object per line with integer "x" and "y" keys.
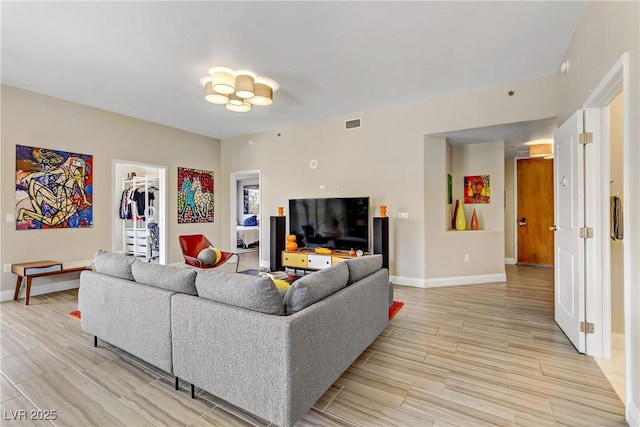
{"x": 614, "y": 367}
{"x": 139, "y": 210}
{"x": 245, "y": 211}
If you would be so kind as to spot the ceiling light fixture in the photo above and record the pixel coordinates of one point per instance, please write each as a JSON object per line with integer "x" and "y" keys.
{"x": 238, "y": 90}
{"x": 541, "y": 150}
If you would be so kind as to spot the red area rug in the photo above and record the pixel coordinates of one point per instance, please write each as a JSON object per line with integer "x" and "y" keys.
{"x": 395, "y": 308}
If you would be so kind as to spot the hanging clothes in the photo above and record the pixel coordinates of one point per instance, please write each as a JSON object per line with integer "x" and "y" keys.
{"x": 133, "y": 203}
{"x": 616, "y": 224}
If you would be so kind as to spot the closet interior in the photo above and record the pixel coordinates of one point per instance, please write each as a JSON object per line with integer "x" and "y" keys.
{"x": 140, "y": 230}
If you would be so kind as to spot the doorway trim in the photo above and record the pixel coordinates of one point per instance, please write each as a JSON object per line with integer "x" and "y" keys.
{"x": 598, "y": 292}
{"x": 116, "y": 237}
{"x": 233, "y": 203}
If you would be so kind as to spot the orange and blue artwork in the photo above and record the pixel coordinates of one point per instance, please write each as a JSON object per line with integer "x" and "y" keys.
{"x": 54, "y": 189}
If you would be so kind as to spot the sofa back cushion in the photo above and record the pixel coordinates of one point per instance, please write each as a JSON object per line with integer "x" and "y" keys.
{"x": 315, "y": 286}
{"x": 175, "y": 279}
{"x": 241, "y": 290}
{"x": 114, "y": 264}
{"x": 364, "y": 266}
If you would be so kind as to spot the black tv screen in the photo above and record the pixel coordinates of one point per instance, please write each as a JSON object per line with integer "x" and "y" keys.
{"x": 339, "y": 223}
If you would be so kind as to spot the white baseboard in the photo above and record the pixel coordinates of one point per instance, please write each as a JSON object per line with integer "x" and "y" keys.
{"x": 633, "y": 415}
{"x": 408, "y": 281}
{"x": 448, "y": 281}
{"x": 46, "y": 288}
{"x": 466, "y": 280}
{"x": 510, "y": 261}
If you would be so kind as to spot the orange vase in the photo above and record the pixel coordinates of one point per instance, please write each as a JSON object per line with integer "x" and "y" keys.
{"x": 291, "y": 243}
{"x": 280, "y": 210}
{"x": 474, "y": 221}
{"x": 383, "y": 211}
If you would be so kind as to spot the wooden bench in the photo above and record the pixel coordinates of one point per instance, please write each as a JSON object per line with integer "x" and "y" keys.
{"x": 29, "y": 270}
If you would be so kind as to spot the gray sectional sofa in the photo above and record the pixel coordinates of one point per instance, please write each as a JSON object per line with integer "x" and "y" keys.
{"x": 270, "y": 352}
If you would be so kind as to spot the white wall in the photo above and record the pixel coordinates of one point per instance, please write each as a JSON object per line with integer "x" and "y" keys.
{"x": 509, "y": 212}
{"x": 41, "y": 121}
{"x": 606, "y": 31}
{"x": 385, "y": 160}
{"x": 240, "y": 199}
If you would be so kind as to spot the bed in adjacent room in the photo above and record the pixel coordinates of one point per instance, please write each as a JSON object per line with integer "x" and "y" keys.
{"x": 248, "y": 235}
{"x": 249, "y": 232}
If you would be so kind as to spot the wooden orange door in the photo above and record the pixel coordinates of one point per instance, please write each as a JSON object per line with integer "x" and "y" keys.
{"x": 535, "y": 211}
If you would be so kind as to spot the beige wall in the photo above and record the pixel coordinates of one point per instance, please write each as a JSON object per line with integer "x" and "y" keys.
{"x": 446, "y": 249}
{"x": 509, "y": 212}
{"x": 385, "y": 160}
{"x": 606, "y": 31}
{"x": 36, "y": 120}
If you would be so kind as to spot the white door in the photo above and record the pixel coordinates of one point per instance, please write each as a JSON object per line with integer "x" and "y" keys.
{"x": 569, "y": 218}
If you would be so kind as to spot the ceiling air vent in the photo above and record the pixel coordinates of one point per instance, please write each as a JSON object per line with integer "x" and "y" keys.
{"x": 352, "y": 124}
{"x": 522, "y": 154}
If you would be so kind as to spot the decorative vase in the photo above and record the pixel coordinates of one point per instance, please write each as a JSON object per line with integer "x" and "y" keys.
{"x": 474, "y": 221}
{"x": 461, "y": 220}
{"x": 280, "y": 210}
{"x": 291, "y": 245}
{"x": 383, "y": 211}
{"x": 453, "y": 217}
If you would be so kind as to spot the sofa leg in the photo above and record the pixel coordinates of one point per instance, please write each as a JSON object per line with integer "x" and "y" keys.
{"x": 95, "y": 341}
{"x": 176, "y": 383}
{"x": 193, "y": 391}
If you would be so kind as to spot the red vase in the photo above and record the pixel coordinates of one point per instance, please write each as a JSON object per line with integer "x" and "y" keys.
{"x": 453, "y": 218}
{"x": 474, "y": 221}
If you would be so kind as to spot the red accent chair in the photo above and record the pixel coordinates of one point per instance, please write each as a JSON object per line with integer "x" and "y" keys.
{"x": 191, "y": 246}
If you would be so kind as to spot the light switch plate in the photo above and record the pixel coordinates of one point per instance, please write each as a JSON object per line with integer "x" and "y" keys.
{"x": 10, "y": 218}
{"x": 7, "y": 268}
{"x": 403, "y": 215}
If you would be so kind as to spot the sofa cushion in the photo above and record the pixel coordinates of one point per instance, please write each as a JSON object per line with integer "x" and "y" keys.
{"x": 315, "y": 286}
{"x": 364, "y": 266}
{"x": 241, "y": 290}
{"x": 114, "y": 264}
{"x": 175, "y": 279}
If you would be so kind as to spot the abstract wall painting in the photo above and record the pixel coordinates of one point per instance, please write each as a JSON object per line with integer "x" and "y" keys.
{"x": 477, "y": 189}
{"x": 195, "y": 196}
{"x": 54, "y": 189}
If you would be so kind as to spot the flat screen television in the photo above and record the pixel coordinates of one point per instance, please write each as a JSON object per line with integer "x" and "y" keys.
{"x": 338, "y": 223}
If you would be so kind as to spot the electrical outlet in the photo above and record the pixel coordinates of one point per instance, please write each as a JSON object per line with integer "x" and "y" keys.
{"x": 467, "y": 257}
{"x": 403, "y": 215}
{"x": 7, "y": 268}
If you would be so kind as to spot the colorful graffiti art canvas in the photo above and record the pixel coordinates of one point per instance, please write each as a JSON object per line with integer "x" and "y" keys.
{"x": 195, "y": 196}
{"x": 477, "y": 189}
{"x": 54, "y": 189}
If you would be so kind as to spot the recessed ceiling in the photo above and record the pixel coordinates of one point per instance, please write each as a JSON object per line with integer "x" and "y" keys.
{"x": 146, "y": 59}
{"x": 514, "y": 135}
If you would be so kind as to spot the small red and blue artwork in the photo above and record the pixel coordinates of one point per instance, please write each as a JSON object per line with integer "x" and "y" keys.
{"x": 195, "y": 196}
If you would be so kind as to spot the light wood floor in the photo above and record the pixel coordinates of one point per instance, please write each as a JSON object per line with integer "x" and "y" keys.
{"x": 467, "y": 355}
